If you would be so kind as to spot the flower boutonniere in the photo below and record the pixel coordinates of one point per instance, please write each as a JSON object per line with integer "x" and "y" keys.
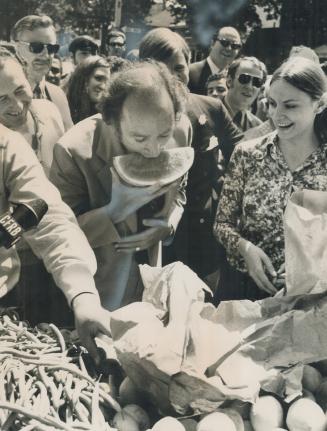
{"x": 213, "y": 142}
{"x": 203, "y": 119}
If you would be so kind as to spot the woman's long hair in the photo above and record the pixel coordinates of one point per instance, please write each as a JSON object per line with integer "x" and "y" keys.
{"x": 79, "y": 101}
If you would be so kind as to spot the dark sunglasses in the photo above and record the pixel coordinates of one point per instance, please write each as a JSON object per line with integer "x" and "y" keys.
{"x": 244, "y": 79}
{"x": 38, "y": 47}
{"x": 227, "y": 43}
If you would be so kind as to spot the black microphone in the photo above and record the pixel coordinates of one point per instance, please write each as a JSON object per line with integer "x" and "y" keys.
{"x": 24, "y": 217}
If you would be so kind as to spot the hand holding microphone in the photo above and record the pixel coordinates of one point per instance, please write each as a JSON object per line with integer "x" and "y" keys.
{"x": 24, "y": 217}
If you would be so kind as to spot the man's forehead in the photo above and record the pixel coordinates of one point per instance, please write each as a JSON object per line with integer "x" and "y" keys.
{"x": 38, "y": 34}
{"x": 230, "y": 34}
{"x": 249, "y": 68}
{"x": 117, "y": 39}
{"x": 14, "y": 71}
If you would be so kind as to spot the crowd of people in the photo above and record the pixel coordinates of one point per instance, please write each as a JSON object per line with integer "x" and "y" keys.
{"x": 256, "y": 138}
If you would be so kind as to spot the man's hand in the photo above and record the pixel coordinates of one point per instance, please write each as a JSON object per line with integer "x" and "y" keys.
{"x": 90, "y": 321}
{"x": 126, "y": 200}
{"x": 258, "y": 263}
{"x": 158, "y": 230}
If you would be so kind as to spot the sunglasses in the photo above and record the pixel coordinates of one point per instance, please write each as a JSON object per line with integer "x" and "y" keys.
{"x": 38, "y": 47}
{"x": 227, "y": 43}
{"x": 245, "y": 79}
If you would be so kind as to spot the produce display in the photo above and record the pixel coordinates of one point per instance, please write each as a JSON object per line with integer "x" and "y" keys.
{"x": 142, "y": 171}
{"x": 44, "y": 385}
{"x": 49, "y": 382}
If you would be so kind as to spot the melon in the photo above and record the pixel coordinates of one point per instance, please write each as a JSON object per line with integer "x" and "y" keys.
{"x": 168, "y": 423}
{"x": 129, "y": 393}
{"x": 139, "y": 415}
{"x": 305, "y": 415}
{"x": 311, "y": 378}
{"x": 216, "y": 421}
{"x": 140, "y": 171}
{"x": 266, "y": 413}
{"x": 124, "y": 422}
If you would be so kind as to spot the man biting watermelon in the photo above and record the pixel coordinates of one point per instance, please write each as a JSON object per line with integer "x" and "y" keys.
{"x": 142, "y": 116}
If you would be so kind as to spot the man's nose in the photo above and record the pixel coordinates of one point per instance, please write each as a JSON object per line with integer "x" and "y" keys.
{"x": 154, "y": 148}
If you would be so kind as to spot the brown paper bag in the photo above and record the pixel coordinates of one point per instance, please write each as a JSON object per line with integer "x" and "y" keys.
{"x": 305, "y": 226}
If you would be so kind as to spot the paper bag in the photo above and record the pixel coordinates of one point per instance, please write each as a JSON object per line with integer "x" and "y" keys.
{"x": 305, "y": 228}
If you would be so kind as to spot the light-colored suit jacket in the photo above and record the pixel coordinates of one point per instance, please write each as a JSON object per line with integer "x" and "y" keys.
{"x": 81, "y": 170}
{"x": 57, "y": 239}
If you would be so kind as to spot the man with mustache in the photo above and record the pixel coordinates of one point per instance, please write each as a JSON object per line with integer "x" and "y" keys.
{"x": 225, "y": 47}
{"x": 35, "y": 41}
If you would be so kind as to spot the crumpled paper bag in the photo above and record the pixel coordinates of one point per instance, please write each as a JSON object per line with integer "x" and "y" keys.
{"x": 190, "y": 357}
{"x": 305, "y": 227}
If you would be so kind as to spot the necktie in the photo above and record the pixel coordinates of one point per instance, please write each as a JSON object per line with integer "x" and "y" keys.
{"x": 238, "y": 119}
{"x": 37, "y": 93}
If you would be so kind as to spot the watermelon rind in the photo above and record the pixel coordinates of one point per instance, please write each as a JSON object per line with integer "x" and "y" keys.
{"x": 139, "y": 171}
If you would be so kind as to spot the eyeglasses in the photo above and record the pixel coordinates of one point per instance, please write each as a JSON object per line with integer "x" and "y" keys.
{"x": 38, "y": 47}
{"x": 244, "y": 79}
{"x": 227, "y": 43}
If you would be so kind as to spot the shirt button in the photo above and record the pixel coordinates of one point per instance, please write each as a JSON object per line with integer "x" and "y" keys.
{"x": 201, "y": 220}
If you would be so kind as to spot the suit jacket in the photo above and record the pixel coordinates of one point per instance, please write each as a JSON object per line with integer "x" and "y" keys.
{"x": 199, "y": 73}
{"x": 57, "y": 239}
{"x": 81, "y": 170}
{"x": 56, "y": 95}
{"x": 214, "y": 138}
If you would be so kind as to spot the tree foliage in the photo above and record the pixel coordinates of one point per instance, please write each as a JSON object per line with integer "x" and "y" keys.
{"x": 203, "y": 17}
{"x": 83, "y": 16}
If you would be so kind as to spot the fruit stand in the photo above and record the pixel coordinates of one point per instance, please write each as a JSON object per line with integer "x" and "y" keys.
{"x": 265, "y": 369}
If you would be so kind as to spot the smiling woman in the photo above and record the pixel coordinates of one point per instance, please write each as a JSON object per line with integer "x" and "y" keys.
{"x": 261, "y": 177}
{"x": 87, "y": 86}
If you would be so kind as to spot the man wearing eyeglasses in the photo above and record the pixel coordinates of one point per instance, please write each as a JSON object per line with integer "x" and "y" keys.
{"x": 245, "y": 77}
{"x": 35, "y": 42}
{"x": 116, "y": 43}
{"x": 225, "y": 46}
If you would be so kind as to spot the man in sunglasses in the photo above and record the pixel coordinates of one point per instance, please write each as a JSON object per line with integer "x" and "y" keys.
{"x": 116, "y": 43}
{"x": 35, "y": 41}
{"x": 245, "y": 77}
{"x": 225, "y": 46}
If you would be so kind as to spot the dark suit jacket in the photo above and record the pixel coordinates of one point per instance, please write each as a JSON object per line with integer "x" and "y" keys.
{"x": 199, "y": 73}
{"x": 194, "y": 243}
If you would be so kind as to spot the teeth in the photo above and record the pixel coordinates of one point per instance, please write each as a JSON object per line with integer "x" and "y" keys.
{"x": 283, "y": 124}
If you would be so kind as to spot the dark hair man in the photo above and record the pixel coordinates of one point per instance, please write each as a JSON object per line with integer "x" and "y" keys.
{"x": 245, "y": 77}
{"x": 116, "y": 43}
{"x": 142, "y": 114}
{"x": 35, "y": 40}
{"x": 82, "y": 47}
{"x": 225, "y": 46}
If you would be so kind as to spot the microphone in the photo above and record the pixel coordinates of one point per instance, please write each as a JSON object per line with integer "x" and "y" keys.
{"x": 24, "y": 217}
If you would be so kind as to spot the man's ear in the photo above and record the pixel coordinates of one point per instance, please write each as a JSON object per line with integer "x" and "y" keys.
{"x": 229, "y": 81}
{"x": 322, "y": 103}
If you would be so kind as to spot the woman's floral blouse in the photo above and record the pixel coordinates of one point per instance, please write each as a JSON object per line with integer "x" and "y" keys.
{"x": 257, "y": 187}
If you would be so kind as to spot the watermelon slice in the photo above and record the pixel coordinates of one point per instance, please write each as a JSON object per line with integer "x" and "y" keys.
{"x": 141, "y": 171}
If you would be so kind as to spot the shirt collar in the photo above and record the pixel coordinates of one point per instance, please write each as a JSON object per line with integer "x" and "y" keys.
{"x": 269, "y": 144}
{"x": 213, "y": 67}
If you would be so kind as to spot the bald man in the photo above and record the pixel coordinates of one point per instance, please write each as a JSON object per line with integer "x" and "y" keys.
{"x": 225, "y": 46}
